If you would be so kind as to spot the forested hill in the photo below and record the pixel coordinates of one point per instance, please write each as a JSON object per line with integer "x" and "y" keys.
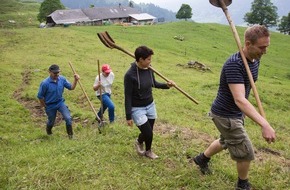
{"x": 152, "y": 9}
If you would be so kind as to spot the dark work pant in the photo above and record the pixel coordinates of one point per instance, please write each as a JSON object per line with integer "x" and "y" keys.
{"x": 146, "y": 133}
{"x": 51, "y": 115}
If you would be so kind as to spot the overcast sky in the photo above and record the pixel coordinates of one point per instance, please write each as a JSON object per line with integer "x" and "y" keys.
{"x": 203, "y": 11}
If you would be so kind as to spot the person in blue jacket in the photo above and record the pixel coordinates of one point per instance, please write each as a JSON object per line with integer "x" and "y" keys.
{"x": 50, "y": 95}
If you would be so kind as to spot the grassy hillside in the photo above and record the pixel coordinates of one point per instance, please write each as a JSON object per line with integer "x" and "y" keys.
{"x": 18, "y": 13}
{"x": 31, "y": 160}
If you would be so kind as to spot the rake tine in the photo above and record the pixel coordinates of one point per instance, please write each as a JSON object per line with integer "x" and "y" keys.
{"x": 101, "y": 37}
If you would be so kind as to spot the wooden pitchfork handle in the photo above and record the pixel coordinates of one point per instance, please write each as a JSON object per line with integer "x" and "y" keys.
{"x": 91, "y": 105}
{"x": 234, "y": 30}
{"x": 109, "y": 42}
{"x": 101, "y": 96}
{"x": 163, "y": 77}
{"x": 179, "y": 89}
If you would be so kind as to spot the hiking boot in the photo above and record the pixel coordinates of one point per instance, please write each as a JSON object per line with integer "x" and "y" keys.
{"x": 151, "y": 154}
{"x": 48, "y": 131}
{"x": 139, "y": 148}
{"x": 203, "y": 164}
{"x": 246, "y": 186}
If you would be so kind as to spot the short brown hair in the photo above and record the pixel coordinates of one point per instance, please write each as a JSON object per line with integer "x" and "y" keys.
{"x": 255, "y": 32}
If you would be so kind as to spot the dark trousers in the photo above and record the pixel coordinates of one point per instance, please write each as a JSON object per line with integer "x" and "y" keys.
{"x": 51, "y": 115}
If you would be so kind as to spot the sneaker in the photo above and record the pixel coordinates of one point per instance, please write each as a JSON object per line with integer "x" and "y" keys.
{"x": 139, "y": 148}
{"x": 70, "y": 136}
{"x": 151, "y": 154}
{"x": 246, "y": 186}
{"x": 203, "y": 165}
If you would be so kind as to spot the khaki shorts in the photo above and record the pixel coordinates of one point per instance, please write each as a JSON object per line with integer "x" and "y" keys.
{"x": 234, "y": 137}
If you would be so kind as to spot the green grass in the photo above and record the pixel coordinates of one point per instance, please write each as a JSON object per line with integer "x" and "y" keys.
{"x": 22, "y": 12}
{"x": 31, "y": 160}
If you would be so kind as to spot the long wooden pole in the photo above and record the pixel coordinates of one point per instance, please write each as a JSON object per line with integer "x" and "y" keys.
{"x": 90, "y": 103}
{"x": 107, "y": 40}
{"x": 238, "y": 41}
{"x": 101, "y": 96}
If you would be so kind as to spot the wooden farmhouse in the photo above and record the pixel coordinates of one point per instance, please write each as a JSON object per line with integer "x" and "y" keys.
{"x": 99, "y": 16}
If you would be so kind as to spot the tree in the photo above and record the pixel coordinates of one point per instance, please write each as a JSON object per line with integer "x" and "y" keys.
{"x": 284, "y": 26}
{"x": 262, "y": 12}
{"x": 184, "y": 12}
{"x": 47, "y": 7}
{"x": 131, "y": 4}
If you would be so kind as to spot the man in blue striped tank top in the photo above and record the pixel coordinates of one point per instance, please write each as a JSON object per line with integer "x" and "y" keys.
{"x": 231, "y": 106}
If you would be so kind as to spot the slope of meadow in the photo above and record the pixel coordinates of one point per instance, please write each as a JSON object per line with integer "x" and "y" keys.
{"x": 30, "y": 159}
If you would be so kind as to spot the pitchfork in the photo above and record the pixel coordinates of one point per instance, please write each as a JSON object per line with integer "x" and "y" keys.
{"x": 101, "y": 123}
{"x": 108, "y": 41}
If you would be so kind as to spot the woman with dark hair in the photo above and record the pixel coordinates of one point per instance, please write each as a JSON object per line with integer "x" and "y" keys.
{"x": 139, "y": 103}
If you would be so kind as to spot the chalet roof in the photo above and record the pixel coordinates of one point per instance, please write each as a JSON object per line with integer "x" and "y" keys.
{"x": 109, "y": 12}
{"x": 68, "y": 16}
{"x": 97, "y": 13}
{"x": 142, "y": 16}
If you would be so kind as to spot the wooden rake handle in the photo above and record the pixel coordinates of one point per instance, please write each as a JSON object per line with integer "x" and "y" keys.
{"x": 236, "y": 36}
{"x": 90, "y": 103}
